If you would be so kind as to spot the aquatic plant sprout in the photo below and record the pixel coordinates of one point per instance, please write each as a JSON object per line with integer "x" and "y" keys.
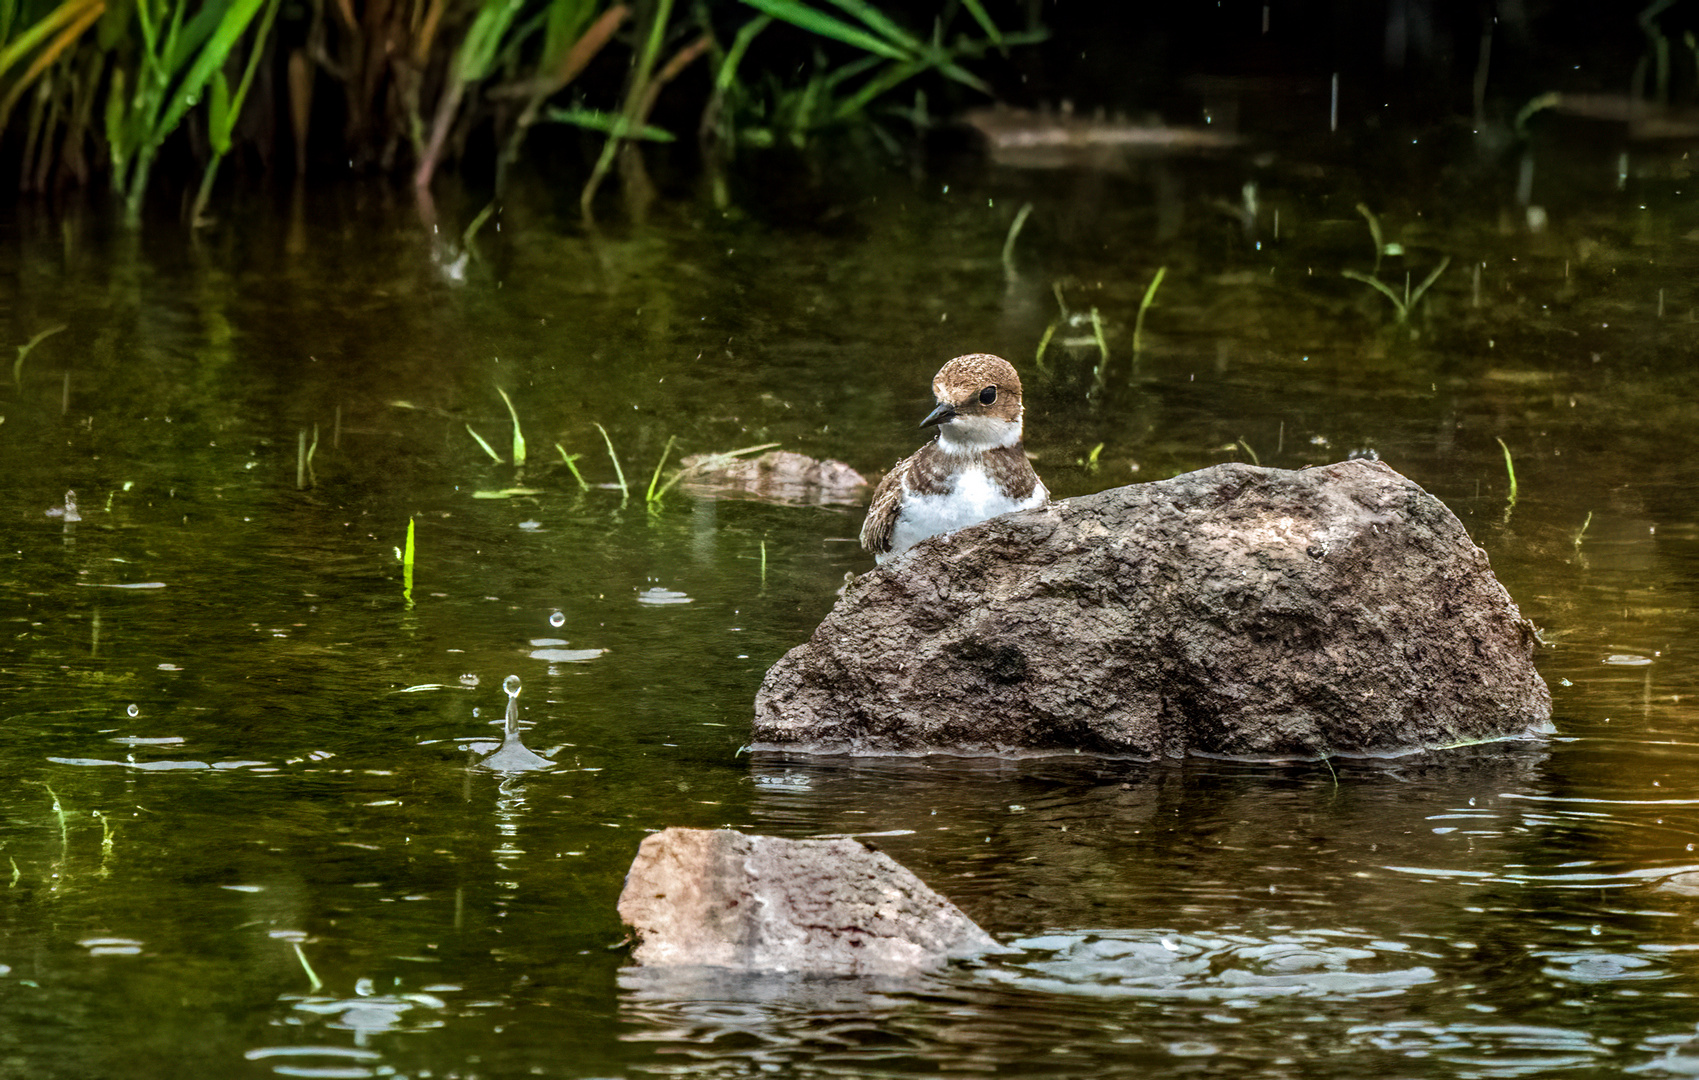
{"x": 653, "y": 497}
{"x": 407, "y": 567}
{"x": 1144, "y": 306}
{"x": 518, "y": 435}
{"x": 1402, "y": 305}
{"x": 569, "y": 460}
{"x": 1510, "y": 470}
{"x": 624, "y": 490}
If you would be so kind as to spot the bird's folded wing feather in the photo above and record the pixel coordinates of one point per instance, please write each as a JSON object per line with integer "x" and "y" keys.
{"x": 882, "y": 515}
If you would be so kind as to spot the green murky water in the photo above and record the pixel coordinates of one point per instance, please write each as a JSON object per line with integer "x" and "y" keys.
{"x": 239, "y": 834}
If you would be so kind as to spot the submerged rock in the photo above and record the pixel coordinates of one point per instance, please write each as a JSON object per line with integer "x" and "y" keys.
{"x": 1237, "y": 611}
{"x": 778, "y": 476}
{"x": 761, "y": 903}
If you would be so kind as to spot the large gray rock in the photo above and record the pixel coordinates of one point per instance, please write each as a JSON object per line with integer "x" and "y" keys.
{"x": 762, "y": 903}
{"x": 1236, "y": 610}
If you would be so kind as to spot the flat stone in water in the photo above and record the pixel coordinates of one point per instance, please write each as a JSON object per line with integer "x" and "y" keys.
{"x": 719, "y": 898}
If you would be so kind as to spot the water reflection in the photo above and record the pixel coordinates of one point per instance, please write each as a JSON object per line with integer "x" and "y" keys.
{"x": 1496, "y": 911}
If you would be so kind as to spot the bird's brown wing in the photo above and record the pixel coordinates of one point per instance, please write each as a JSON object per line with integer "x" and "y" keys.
{"x": 882, "y": 514}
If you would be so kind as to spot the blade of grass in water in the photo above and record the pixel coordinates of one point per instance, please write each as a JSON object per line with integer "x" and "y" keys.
{"x": 518, "y": 436}
{"x": 1510, "y": 470}
{"x": 624, "y": 491}
{"x": 652, "y": 496}
{"x": 569, "y": 459}
{"x": 488, "y": 449}
{"x": 1009, "y": 241}
{"x": 26, "y": 347}
{"x": 1144, "y": 306}
{"x": 407, "y": 566}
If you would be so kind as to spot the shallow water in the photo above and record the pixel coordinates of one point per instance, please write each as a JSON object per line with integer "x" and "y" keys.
{"x": 242, "y": 834}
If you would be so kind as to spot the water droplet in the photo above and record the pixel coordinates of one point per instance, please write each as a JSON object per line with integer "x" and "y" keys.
{"x": 511, "y": 685}
{"x": 133, "y": 711}
{"x": 474, "y": 712}
{"x": 557, "y": 619}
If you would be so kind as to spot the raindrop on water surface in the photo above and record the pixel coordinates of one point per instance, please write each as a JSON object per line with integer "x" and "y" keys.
{"x": 133, "y": 711}
{"x": 557, "y": 619}
{"x": 511, "y": 685}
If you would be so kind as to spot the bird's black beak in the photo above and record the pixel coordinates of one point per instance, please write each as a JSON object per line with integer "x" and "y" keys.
{"x": 943, "y": 414}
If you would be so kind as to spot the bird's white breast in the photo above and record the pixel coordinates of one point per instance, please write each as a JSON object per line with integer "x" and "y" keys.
{"x": 974, "y": 498}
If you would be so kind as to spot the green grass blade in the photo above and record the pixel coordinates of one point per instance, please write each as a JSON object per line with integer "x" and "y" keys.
{"x": 407, "y": 566}
{"x": 624, "y": 491}
{"x": 1510, "y": 470}
{"x": 1144, "y": 306}
{"x": 482, "y": 44}
{"x": 488, "y": 449}
{"x": 63, "y": 15}
{"x": 1416, "y": 296}
{"x": 726, "y": 77}
{"x": 610, "y": 123}
{"x": 894, "y": 75}
{"x": 980, "y": 16}
{"x": 876, "y": 21}
{"x": 1043, "y": 344}
{"x": 965, "y": 77}
{"x": 255, "y": 52}
{"x": 1009, "y": 240}
{"x": 1374, "y": 232}
{"x": 818, "y": 22}
{"x": 518, "y": 435}
{"x": 652, "y": 496}
{"x": 1384, "y": 289}
{"x": 564, "y": 23}
{"x": 25, "y": 349}
{"x": 210, "y": 58}
{"x": 218, "y": 120}
{"x": 471, "y": 232}
{"x": 570, "y": 459}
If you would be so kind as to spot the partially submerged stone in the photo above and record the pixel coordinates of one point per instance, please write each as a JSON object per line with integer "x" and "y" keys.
{"x": 778, "y": 476}
{"x": 762, "y": 903}
{"x": 1235, "y": 611}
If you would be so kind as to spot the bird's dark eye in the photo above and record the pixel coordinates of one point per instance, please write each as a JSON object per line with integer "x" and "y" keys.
{"x": 988, "y": 395}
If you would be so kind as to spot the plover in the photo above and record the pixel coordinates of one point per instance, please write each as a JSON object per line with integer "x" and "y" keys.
{"x": 975, "y": 469}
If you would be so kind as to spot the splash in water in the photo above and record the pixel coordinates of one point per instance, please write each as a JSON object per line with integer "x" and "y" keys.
{"x": 513, "y": 756}
{"x": 68, "y": 512}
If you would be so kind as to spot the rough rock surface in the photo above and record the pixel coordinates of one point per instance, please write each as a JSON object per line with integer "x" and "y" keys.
{"x": 1236, "y": 610}
{"x": 761, "y": 903}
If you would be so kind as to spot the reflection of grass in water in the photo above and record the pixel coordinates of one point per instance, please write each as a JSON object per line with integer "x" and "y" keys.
{"x": 26, "y": 347}
{"x": 1009, "y": 246}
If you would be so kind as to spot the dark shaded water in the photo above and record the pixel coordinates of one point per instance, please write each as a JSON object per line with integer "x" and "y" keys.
{"x": 240, "y": 832}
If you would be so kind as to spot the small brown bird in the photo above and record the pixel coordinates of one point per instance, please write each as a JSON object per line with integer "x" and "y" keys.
{"x": 975, "y": 469}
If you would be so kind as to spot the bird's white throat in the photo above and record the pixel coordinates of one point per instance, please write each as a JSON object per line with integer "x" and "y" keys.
{"x": 977, "y": 434}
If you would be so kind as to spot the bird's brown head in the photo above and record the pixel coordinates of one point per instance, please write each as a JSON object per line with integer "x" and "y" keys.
{"x": 979, "y": 403}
